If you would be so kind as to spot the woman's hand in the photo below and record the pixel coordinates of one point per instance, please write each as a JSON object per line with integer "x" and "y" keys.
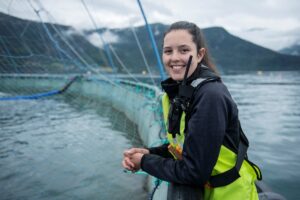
{"x": 130, "y": 152}
{"x": 132, "y": 158}
{"x": 136, "y": 160}
{"x": 127, "y": 164}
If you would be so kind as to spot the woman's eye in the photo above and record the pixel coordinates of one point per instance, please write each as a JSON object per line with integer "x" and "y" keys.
{"x": 167, "y": 51}
{"x": 185, "y": 50}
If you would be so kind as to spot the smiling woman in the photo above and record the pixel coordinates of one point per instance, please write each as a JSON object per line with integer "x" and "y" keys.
{"x": 181, "y": 42}
{"x": 205, "y": 157}
{"x": 178, "y": 46}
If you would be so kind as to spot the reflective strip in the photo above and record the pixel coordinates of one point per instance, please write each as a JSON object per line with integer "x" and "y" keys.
{"x": 196, "y": 82}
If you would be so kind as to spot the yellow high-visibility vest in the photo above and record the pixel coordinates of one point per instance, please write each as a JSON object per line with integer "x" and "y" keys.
{"x": 242, "y": 188}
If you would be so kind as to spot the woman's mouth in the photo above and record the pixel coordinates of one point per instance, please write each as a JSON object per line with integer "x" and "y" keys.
{"x": 177, "y": 67}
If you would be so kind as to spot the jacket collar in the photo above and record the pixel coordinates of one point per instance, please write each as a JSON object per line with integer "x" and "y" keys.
{"x": 171, "y": 87}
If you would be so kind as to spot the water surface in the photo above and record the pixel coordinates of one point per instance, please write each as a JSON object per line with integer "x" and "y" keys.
{"x": 65, "y": 148}
{"x": 269, "y": 109}
{"x": 70, "y": 148}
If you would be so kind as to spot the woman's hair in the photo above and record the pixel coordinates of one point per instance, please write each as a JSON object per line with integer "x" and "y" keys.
{"x": 198, "y": 39}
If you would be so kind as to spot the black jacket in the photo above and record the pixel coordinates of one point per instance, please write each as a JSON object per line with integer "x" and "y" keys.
{"x": 213, "y": 114}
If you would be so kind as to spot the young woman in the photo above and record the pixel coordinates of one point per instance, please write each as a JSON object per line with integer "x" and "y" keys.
{"x": 204, "y": 134}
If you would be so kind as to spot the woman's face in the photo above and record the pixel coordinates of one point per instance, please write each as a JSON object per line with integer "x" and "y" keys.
{"x": 178, "y": 47}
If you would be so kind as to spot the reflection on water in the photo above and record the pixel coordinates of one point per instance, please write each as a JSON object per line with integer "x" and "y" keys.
{"x": 66, "y": 148}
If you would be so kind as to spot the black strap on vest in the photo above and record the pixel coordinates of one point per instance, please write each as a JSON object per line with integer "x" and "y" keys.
{"x": 181, "y": 102}
{"x": 232, "y": 174}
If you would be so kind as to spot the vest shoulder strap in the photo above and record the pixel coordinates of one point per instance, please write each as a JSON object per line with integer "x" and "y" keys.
{"x": 233, "y": 173}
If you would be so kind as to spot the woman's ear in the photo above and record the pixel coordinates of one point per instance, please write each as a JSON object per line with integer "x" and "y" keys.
{"x": 201, "y": 54}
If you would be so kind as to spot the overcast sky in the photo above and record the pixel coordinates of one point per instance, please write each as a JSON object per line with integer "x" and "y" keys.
{"x": 274, "y": 24}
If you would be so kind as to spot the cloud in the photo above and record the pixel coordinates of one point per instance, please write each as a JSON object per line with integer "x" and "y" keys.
{"x": 271, "y": 38}
{"x": 279, "y": 18}
{"x": 256, "y": 29}
{"x": 107, "y": 36}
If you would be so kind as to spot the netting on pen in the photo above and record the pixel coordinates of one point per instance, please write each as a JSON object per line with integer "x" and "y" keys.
{"x": 72, "y": 107}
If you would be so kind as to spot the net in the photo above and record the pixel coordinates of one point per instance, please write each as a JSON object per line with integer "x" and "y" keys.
{"x": 46, "y": 67}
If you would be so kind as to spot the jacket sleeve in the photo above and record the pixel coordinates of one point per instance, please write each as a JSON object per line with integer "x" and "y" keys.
{"x": 161, "y": 151}
{"x": 204, "y": 135}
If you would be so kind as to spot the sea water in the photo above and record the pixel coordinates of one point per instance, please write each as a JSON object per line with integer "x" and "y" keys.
{"x": 269, "y": 110}
{"x": 61, "y": 148}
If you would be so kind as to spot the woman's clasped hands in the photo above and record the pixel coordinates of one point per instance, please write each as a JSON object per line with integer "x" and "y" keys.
{"x": 132, "y": 158}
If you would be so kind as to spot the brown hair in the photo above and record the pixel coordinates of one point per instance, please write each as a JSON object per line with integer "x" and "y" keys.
{"x": 198, "y": 39}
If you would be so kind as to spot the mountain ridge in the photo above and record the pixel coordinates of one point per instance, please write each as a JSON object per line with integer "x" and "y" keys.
{"x": 24, "y": 37}
{"x": 229, "y": 52}
{"x": 291, "y": 50}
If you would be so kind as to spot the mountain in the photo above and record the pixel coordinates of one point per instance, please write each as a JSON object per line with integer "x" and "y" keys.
{"x": 228, "y": 51}
{"x": 33, "y": 47}
{"x": 292, "y": 50}
{"x": 239, "y": 54}
{"x": 30, "y": 46}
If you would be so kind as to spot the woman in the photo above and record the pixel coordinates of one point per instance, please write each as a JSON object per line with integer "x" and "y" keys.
{"x": 207, "y": 139}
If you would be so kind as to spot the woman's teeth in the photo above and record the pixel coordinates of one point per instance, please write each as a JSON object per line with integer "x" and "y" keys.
{"x": 177, "y": 66}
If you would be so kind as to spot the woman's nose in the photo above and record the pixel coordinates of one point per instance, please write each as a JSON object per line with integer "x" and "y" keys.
{"x": 175, "y": 56}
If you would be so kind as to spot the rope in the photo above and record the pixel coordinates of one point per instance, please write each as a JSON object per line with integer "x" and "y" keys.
{"x": 122, "y": 64}
{"x": 8, "y": 52}
{"x": 77, "y": 54}
{"x": 157, "y": 183}
{"x": 142, "y": 53}
{"x": 102, "y": 40}
{"x": 41, "y": 95}
{"x": 160, "y": 66}
{"x": 56, "y": 44}
{"x": 30, "y": 97}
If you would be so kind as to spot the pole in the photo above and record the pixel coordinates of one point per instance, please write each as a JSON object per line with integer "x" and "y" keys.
{"x": 159, "y": 64}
